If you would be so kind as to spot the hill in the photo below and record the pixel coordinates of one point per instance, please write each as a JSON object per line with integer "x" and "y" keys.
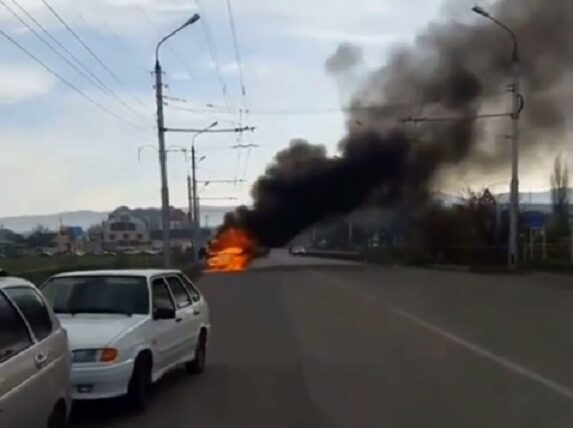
{"x": 210, "y": 216}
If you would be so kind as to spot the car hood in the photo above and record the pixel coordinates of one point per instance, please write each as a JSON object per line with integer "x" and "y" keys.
{"x": 92, "y": 331}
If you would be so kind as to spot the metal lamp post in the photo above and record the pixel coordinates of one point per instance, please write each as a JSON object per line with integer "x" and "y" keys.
{"x": 161, "y": 139}
{"x": 517, "y": 104}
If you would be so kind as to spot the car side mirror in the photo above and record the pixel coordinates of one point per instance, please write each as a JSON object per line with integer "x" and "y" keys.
{"x": 163, "y": 313}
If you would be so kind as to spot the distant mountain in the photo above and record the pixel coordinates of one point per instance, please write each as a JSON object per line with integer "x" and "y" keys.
{"x": 23, "y": 224}
{"x": 213, "y": 216}
{"x": 210, "y": 216}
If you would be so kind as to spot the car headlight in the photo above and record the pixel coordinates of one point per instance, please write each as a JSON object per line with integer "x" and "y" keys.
{"x": 105, "y": 355}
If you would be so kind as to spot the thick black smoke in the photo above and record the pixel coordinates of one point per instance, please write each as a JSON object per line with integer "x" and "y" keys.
{"x": 452, "y": 70}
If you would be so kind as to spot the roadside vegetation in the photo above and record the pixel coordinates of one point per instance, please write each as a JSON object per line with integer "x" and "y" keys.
{"x": 38, "y": 268}
{"x": 470, "y": 231}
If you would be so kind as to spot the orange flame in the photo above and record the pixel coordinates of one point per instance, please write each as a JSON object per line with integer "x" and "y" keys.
{"x": 231, "y": 251}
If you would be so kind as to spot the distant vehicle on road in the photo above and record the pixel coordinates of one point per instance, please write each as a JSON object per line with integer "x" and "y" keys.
{"x": 35, "y": 361}
{"x": 297, "y": 250}
{"x": 127, "y": 328}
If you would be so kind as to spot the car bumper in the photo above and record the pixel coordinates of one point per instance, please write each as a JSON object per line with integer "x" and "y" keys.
{"x": 99, "y": 382}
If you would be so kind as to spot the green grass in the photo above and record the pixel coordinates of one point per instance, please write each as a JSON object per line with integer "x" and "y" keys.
{"x": 38, "y": 269}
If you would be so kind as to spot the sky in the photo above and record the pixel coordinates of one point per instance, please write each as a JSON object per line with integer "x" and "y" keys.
{"x": 91, "y": 143}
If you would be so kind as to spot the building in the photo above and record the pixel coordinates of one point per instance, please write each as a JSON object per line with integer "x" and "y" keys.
{"x": 122, "y": 231}
{"x": 70, "y": 239}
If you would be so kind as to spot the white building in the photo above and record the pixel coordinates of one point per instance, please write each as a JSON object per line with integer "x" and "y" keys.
{"x": 122, "y": 231}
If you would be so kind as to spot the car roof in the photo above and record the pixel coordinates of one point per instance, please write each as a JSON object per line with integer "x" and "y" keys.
{"x": 148, "y": 273}
{"x": 11, "y": 281}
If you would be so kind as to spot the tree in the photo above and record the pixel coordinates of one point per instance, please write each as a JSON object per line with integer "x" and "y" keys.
{"x": 40, "y": 229}
{"x": 559, "y": 226}
{"x": 460, "y": 233}
{"x": 41, "y": 237}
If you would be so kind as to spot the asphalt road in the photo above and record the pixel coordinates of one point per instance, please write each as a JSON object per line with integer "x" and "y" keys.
{"x": 310, "y": 343}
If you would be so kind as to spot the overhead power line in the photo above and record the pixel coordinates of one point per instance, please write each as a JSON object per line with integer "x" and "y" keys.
{"x": 455, "y": 118}
{"x": 67, "y": 83}
{"x": 136, "y": 62}
{"x": 88, "y": 74}
{"x": 214, "y": 109}
{"x": 213, "y": 53}
{"x": 205, "y": 114}
{"x": 237, "y": 51}
{"x": 92, "y": 77}
{"x": 90, "y": 51}
{"x": 243, "y": 114}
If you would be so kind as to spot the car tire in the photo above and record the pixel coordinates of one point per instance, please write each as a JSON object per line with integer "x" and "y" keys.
{"x": 138, "y": 388}
{"x": 57, "y": 418}
{"x": 197, "y": 366}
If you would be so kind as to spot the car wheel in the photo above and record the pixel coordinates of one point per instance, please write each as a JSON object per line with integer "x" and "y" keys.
{"x": 138, "y": 388}
{"x": 197, "y": 366}
{"x": 58, "y": 416}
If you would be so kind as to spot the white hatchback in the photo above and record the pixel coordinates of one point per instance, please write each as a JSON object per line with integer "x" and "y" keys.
{"x": 127, "y": 328}
{"x": 34, "y": 360}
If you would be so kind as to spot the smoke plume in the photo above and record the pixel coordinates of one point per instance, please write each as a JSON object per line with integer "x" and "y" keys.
{"x": 453, "y": 70}
{"x": 345, "y": 58}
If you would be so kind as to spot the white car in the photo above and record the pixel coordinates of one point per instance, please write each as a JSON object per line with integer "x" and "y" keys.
{"x": 127, "y": 328}
{"x": 297, "y": 250}
{"x": 35, "y": 360}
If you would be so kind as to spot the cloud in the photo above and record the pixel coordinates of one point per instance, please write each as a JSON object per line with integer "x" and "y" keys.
{"x": 23, "y": 82}
{"x": 340, "y": 36}
{"x": 256, "y": 67}
{"x": 76, "y": 156}
{"x": 180, "y": 76}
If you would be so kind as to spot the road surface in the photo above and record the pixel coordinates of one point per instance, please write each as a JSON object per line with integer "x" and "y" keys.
{"x": 301, "y": 342}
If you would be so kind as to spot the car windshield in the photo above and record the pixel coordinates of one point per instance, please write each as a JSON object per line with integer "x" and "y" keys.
{"x": 98, "y": 294}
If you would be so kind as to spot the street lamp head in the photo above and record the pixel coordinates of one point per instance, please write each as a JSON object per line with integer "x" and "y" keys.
{"x": 480, "y": 11}
{"x": 192, "y": 20}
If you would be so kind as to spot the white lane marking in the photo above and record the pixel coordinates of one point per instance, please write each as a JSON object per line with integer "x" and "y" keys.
{"x": 482, "y": 352}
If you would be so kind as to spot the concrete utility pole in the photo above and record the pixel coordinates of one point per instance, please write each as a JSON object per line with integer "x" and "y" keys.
{"x": 190, "y": 199}
{"x": 517, "y": 106}
{"x": 162, "y": 165}
{"x": 196, "y": 232}
{"x": 196, "y": 222}
{"x": 161, "y": 138}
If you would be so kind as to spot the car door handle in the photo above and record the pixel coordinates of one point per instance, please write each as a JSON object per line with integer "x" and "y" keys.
{"x": 196, "y": 311}
{"x": 41, "y": 360}
{"x": 179, "y": 319}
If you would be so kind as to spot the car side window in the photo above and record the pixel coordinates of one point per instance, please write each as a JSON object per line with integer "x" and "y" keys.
{"x": 14, "y": 334}
{"x": 195, "y": 295}
{"x": 34, "y": 310}
{"x": 160, "y": 295}
{"x": 182, "y": 298}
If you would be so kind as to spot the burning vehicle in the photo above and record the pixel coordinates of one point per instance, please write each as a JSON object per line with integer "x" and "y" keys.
{"x": 232, "y": 250}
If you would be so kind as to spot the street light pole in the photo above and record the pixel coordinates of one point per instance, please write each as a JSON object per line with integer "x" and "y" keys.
{"x": 161, "y": 139}
{"x": 195, "y": 205}
{"x": 517, "y": 105}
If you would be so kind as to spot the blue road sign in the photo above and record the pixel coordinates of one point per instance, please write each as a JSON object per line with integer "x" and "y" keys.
{"x": 535, "y": 220}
